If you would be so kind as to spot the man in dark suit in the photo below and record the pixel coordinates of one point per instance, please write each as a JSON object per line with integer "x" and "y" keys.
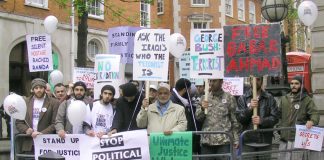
{"x": 40, "y": 115}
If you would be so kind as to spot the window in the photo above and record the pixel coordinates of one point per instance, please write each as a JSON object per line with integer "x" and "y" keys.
{"x": 200, "y": 25}
{"x": 241, "y": 10}
{"x": 96, "y": 9}
{"x": 160, "y": 6}
{"x": 229, "y": 8}
{"x": 94, "y": 48}
{"x": 37, "y": 3}
{"x": 251, "y": 12}
{"x": 199, "y": 3}
{"x": 145, "y": 14}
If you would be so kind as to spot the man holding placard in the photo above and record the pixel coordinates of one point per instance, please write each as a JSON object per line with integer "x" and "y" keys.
{"x": 266, "y": 118}
{"x": 297, "y": 107}
{"x": 220, "y": 117}
{"x": 163, "y": 115}
{"x": 40, "y": 115}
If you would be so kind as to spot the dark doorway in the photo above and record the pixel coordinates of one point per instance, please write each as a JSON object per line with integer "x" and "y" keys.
{"x": 19, "y": 75}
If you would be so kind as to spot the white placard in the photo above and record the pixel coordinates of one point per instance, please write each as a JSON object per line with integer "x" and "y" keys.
{"x": 123, "y": 145}
{"x": 85, "y": 75}
{"x": 234, "y": 86}
{"x": 67, "y": 147}
{"x": 151, "y": 55}
{"x": 311, "y": 139}
{"x": 39, "y": 52}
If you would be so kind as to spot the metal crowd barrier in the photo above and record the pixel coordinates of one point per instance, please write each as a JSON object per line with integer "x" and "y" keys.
{"x": 296, "y": 154}
{"x": 17, "y": 150}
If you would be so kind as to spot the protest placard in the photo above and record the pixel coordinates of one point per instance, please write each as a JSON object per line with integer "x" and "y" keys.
{"x": 177, "y": 146}
{"x": 234, "y": 86}
{"x": 120, "y": 146}
{"x": 107, "y": 72}
{"x": 311, "y": 139}
{"x": 121, "y": 42}
{"x": 184, "y": 69}
{"x": 39, "y": 48}
{"x": 86, "y": 75}
{"x": 207, "y": 53}
{"x": 151, "y": 55}
{"x": 68, "y": 147}
{"x": 253, "y": 49}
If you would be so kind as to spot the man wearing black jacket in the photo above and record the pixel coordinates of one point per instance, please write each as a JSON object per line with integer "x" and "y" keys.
{"x": 267, "y": 117}
{"x": 127, "y": 108}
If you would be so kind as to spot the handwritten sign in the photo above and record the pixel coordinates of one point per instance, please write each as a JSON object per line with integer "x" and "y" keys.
{"x": 234, "y": 86}
{"x": 39, "y": 52}
{"x": 151, "y": 61}
{"x": 253, "y": 49}
{"x": 85, "y": 75}
{"x": 124, "y": 145}
{"x": 207, "y": 53}
{"x": 177, "y": 146}
{"x": 121, "y": 42}
{"x": 68, "y": 147}
{"x": 311, "y": 139}
{"x": 184, "y": 69}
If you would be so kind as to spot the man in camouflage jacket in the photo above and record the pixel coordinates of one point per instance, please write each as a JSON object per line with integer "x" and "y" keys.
{"x": 221, "y": 108}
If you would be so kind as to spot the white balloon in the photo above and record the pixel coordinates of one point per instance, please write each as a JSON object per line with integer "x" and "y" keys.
{"x": 50, "y": 24}
{"x": 76, "y": 112}
{"x": 15, "y": 106}
{"x": 307, "y": 12}
{"x": 56, "y": 77}
{"x": 178, "y": 44}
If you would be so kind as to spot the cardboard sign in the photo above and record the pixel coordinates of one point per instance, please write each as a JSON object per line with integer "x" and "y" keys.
{"x": 311, "y": 139}
{"x": 68, "y": 147}
{"x": 234, "y": 86}
{"x": 121, "y": 42}
{"x": 120, "y": 146}
{"x": 184, "y": 69}
{"x": 253, "y": 49}
{"x": 206, "y": 53}
{"x": 85, "y": 75}
{"x": 177, "y": 146}
{"x": 39, "y": 48}
{"x": 151, "y": 60}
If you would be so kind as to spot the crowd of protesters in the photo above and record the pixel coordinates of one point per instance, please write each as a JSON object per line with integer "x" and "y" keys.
{"x": 167, "y": 109}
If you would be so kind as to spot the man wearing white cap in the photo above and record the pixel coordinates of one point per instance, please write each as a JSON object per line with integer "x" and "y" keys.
{"x": 163, "y": 115}
{"x": 153, "y": 93}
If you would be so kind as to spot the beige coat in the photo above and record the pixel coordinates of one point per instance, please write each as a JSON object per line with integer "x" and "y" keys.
{"x": 174, "y": 119}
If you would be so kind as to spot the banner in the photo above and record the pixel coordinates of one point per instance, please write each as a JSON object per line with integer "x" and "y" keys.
{"x": 253, "y": 49}
{"x": 39, "y": 48}
{"x": 68, "y": 147}
{"x": 234, "y": 86}
{"x": 121, "y": 42}
{"x": 184, "y": 69}
{"x": 207, "y": 53}
{"x": 177, "y": 146}
{"x": 120, "y": 146}
{"x": 85, "y": 75}
{"x": 151, "y": 60}
{"x": 311, "y": 139}
{"x": 107, "y": 73}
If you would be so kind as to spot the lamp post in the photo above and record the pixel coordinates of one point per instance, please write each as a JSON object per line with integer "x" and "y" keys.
{"x": 276, "y": 11}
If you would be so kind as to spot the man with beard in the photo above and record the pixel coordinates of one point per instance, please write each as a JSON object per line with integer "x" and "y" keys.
{"x": 40, "y": 115}
{"x": 127, "y": 108}
{"x": 295, "y": 108}
{"x": 62, "y": 124}
{"x": 267, "y": 118}
{"x": 220, "y": 117}
{"x": 163, "y": 115}
{"x": 101, "y": 115}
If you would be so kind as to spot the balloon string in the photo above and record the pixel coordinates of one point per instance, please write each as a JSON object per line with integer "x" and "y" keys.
{"x": 27, "y": 124}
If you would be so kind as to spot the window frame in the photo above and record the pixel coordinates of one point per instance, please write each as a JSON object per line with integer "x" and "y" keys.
{"x": 161, "y": 7}
{"x": 101, "y": 8}
{"x": 207, "y": 24}
{"x": 252, "y": 4}
{"x": 243, "y": 10}
{"x": 231, "y": 14}
{"x": 37, "y": 5}
{"x": 147, "y": 13}
{"x": 206, "y": 4}
{"x": 99, "y": 47}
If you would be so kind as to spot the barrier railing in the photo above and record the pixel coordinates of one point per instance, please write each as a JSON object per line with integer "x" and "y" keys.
{"x": 17, "y": 151}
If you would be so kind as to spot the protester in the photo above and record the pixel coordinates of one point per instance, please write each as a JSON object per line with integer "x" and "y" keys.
{"x": 220, "y": 117}
{"x": 40, "y": 115}
{"x": 297, "y": 107}
{"x": 153, "y": 94}
{"x": 267, "y": 118}
{"x": 163, "y": 115}
{"x": 48, "y": 90}
{"x": 101, "y": 115}
{"x": 60, "y": 92}
{"x": 136, "y": 83}
{"x": 127, "y": 108}
{"x": 62, "y": 124}
{"x": 6, "y": 117}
